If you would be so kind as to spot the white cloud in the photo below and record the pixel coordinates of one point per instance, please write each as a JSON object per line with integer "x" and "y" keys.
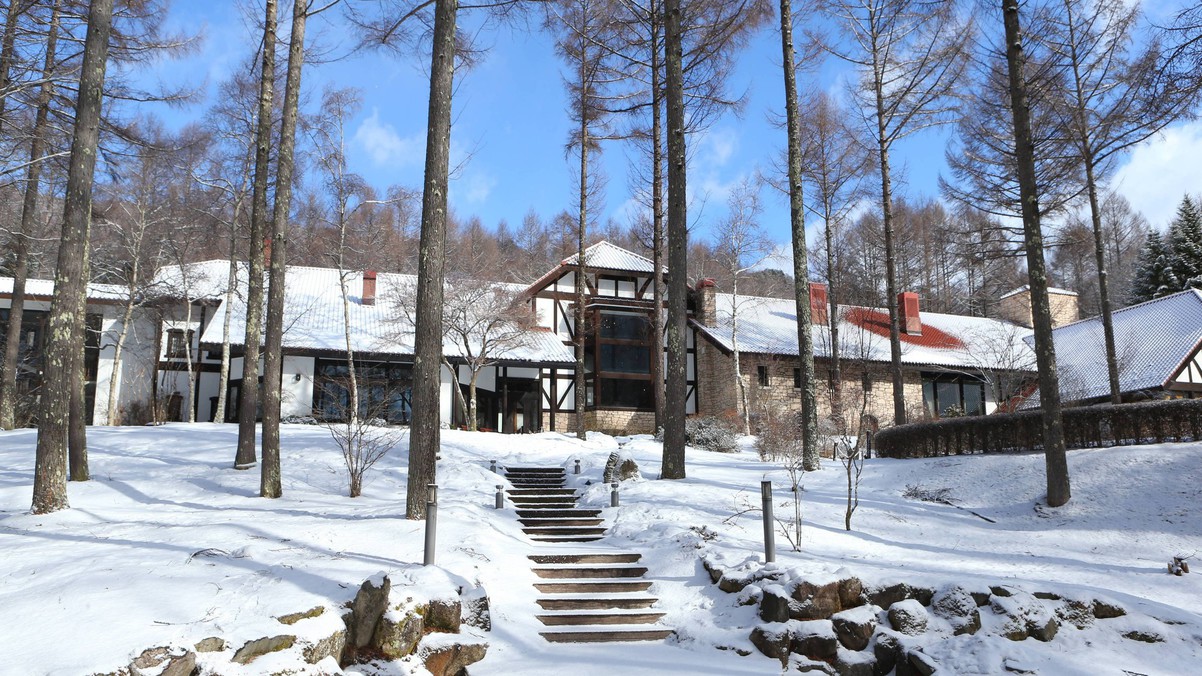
{"x": 385, "y": 146}
{"x": 716, "y": 147}
{"x": 477, "y": 187}
{"x": 1161, "y": 171}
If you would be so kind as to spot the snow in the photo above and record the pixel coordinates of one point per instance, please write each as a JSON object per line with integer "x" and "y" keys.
{"x": 168, "y": 545}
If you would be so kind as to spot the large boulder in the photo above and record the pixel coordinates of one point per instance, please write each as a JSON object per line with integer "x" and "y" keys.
{"x": 450, "y": 655}
{"x": 1024, "y": 616}
{"x": 774, "y": 604}
{"x": 815, "y": 639}
{"x": 956, "y": 605}
{"x": 445, "y": 615}
{"x": 259, "y": 647}
{"x": 886, "y": 595}
{"x": 476, "y": 612}
{"x": 854, "y": 628}
{"x": 164, "y": 661}
{"x": 368, "y": 607}
{"x": 816, "y": 601}
{"x": 398, "y": 633}
{"x": 908, "y": 617}
{"x": 773, "y": 640}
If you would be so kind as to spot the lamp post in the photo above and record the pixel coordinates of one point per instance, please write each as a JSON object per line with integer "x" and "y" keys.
{"x": 769, "y": 531}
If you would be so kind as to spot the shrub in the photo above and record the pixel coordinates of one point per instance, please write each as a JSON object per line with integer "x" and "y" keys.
{"x": 712, "y": 434}
{"x": 778, "y": 435}
{"x": 1085, "y": 427}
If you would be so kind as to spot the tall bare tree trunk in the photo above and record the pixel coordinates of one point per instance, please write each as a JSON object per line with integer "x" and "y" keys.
{"x": 127, "y": 314}
{"x": 801, "y": 266}
{"x": 676, "y": 392}
{"x": 1045, "y": 353}
{"x": 8, "y": 50}
{"x": 223, "y": 381}
{"x": 581, "y": 238}
{"x": 832, "y": 320}
{"x": 20, "y": 240}
{"x": 424, "y": 433}
{"x": 657, "y": 218}
{"x": 895, "y": 369}
{"x": 77, "y": 437}
{"x": 248, "y": 407}
{"x": 70, "y": 288}
{"x": 273, "y": 359}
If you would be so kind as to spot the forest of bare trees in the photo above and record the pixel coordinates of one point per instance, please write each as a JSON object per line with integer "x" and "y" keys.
{"x": 1043, "y": 101}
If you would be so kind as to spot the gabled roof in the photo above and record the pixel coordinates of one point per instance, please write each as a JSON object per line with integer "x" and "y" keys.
{"x": 43, "y": 289}
{"x": 769, "y": 326}
{"x": 610, "y": 257}
{"x": 1152, "y": 340}
{"x": 313, "y": 319}
{"x": 204, "y": 280}
{"x": 1027, "y": 287}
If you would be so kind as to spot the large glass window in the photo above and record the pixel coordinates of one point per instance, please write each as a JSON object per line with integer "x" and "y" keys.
{"x": 621, "y": 350}
{"x": 944, "y": 394}
{"x": 384, "y": 390}
{"x": 625, "y": 358}
{"x": 623, "y": 393}
{"x": 624, "y": 327}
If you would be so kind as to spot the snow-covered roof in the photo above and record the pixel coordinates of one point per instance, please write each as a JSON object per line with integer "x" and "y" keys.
{"x": 611, "y": 257}
{"x": 769, "y": 326}
{"x": 1151, "y": 340}
{"x": 1027, "y": 287}
{"x": 204, "y": 280}
{"x": 313, "y": 319}
{"x": 44, "y": 288}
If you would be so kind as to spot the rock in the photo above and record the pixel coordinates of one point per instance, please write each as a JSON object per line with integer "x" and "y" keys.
{"x": 908, "y": 617}
{"x": 1076, "y": 613}
{"x": 712, "y": 568}
{"x": 212, "y": 644}
{"x": 1025, "y": 616}
{"x": 805, "y": 665}
{"x": 1000, "y": 591}
{"x": 1047, "y": 596}
{"x": 262, "y": 646}
{"x": 855, "y": 664}
{"x": 330, "y": 646}
{"x": 886, "y": 650}
{"x": 774, "y": 606}
{"x": 1106, "y": 611}
{"x": 367, "y": 608}
{"x": 981, "y": 597}
{"x": 815, "y": 601}
{"x": 924, "y": 664}
{"x": 887, "y": 596}
{"x": 731, "y": 584}
{"x": 921, "y": 594}
{"x": 476, "y": 611}
{"x": 815, "y": 639}
{"x": 1018, "y": 667}
{"x": 772, "y": 640}
{"x": 397, "y": 635}
{"x": 164, "y": 661}
{"x": 1144, "y": 636}
{"x": 293, "y": 618}
{"x": 1043, "y": 628}
{"x": 444, "y": 615}
{"x": 956, "y": 605}
{"x": 851, "y": 592}
{"x": 453, "y": 658}
{"x": 854, "y": 628}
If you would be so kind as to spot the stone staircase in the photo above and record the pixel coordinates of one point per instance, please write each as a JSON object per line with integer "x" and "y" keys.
{"x": 590, "y": 596}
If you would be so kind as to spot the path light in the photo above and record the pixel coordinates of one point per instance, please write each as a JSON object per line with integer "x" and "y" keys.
{"x": 431, "y": 523}
{"x": 500, "y": 496}
{"x": 613, "y": 495}
{"x": 492, "y": 464}
{"x": 769, "y": 535}
{"x": 577, "y": 467}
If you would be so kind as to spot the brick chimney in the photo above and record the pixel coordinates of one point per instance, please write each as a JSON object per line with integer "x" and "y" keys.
{"x": 908, "y": 317}
{"x": 369, "y": 287}
{"x": 819, "y": 307}
{"x": 707, "y": 302}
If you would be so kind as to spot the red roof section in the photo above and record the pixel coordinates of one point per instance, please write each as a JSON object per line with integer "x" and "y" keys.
{"x": 878, "y": 323}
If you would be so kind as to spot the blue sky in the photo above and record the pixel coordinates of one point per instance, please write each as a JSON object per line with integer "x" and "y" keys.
{"x": 511, "y": 125}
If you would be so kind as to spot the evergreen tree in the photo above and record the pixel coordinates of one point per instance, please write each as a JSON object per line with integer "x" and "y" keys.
{"x": 1185, "y": 246}
{"x": 1154, "y": 275}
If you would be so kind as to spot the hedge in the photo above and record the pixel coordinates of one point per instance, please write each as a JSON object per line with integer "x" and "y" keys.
{"x": 1085, "y": 427}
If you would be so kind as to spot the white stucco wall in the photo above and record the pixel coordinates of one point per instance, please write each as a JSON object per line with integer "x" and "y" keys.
{"x": 296, "y": 396}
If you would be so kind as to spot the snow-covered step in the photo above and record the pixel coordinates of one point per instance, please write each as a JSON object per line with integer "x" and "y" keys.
{"x": 612, "y": 601}
{"x": 560, "y": 522}
{"x": 588, "y": 571}
{"x": 541, "y": 491}
{"x": 543, "y": 499}
{"x": 587, "y": 557}
{"x": 610, "y": 634}
{"x": 582, "y": 618}
{"x": 563, "y": 530}
{"x": 556, "y": 513}
{"x": 597, "y": 587}
{"x": 551, "y": 539}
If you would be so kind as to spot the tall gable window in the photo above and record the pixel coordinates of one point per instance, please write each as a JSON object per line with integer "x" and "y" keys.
{"x": 177, "y": 343}
{"x": 621, "y": 361}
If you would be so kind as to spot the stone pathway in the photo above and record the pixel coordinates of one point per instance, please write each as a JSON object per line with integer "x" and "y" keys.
{"x": 591, "y": 594}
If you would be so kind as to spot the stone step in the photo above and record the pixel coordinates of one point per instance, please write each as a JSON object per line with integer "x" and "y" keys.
{"x": 578, "y": 619}
{"x": 536, "y": 483}
{"x": 588, "y": 557}
{"x": 597, "y": 587}
{"x": 586, "y": 571}
{"x": 563, "y": 530}
{"x": 608, "y": 635}
{"x": 542, "y": 499}
{"x": 553, "y": 513}
{"x": 534, "y": 470}
{"x": 560, "y": 522}
{"x": 565, "y": 538}
{"x": 597, "y": 602}
{"x": 541, "y": 491}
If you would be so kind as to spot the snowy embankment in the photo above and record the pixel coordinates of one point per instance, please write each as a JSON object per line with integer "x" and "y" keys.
{"x": 169, "y": 545}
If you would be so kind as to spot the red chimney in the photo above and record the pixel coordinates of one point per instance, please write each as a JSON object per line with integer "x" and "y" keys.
{"x": 369, "y": 287}
{"x": 818, "y": 305}
{"x": 907, "y": 309}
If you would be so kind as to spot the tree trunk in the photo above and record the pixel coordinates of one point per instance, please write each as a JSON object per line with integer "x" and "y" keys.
{"x": 223, "y": 381}
{"x": 657, "y": 220}
{"x": 801, "y": 267}
{"x": 832, "y": 320}
{"x": 273, "y": 361}
{"x": 111, "y": 416}
{"x": 20, "y": 239}
{"x": 740, "y": 386}
{"x": 424, "y": 432}
{"x": 1045, "y": 353}
{"x": 676, "y": 392}
{"x": 581, "y": 263}
{"x": 473, "y": 425}
{"x": 7, "y": 51}
{"x": 895, "y": 369}
{"x": 1095, "y": 213}
{"x": 248, "y": 406}
{"x": 49, "y": 483}
{"x": 191, "y": 373}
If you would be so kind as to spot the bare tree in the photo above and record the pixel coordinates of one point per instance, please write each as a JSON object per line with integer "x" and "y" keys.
{"x": 910, "y": 54}
{"x": 1045, "y": 349}
{"x": 70, "y": 289}
{"x": 676, "y": 390}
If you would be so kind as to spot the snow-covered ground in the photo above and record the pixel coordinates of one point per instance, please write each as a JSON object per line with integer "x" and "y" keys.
{"x": 168, "y": 545}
